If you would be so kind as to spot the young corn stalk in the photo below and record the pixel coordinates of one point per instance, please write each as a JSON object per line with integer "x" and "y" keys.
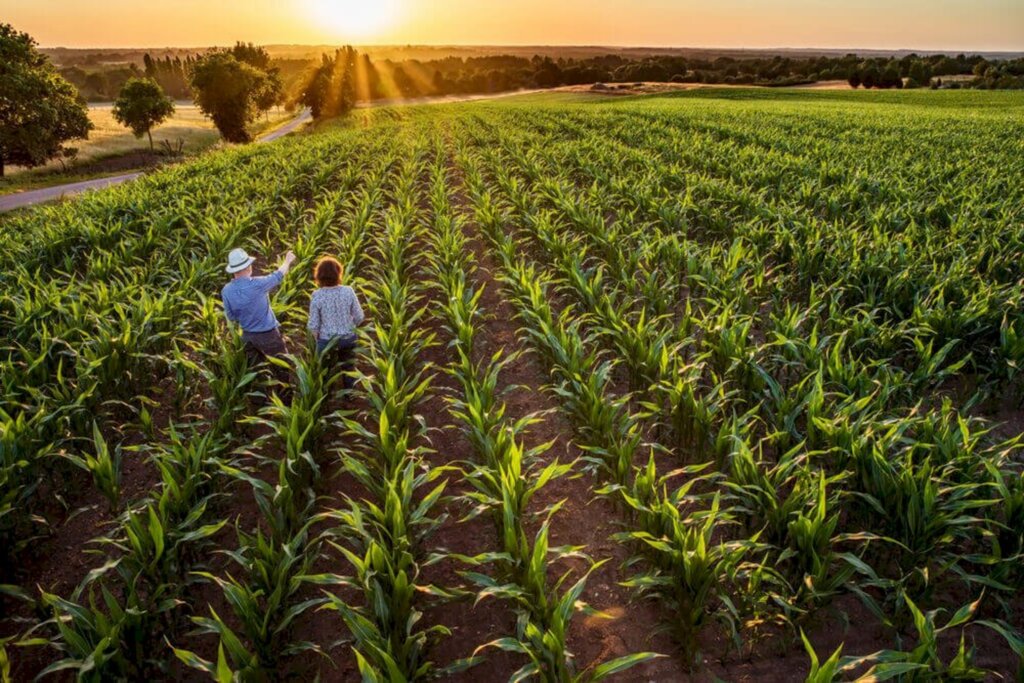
{"x": 105, "y": 466}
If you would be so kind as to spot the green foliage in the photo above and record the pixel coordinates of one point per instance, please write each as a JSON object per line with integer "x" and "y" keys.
{"x": 925, "y": 662}
{"x": 105, "y": 466}
{"x": 231, "y": 92}
{"x": 141, "y": 105}
{"x": 331, "y": 87}
{"x": 39, "y": 110}
{"x": 257, "y": 56}
{"x": 820, "y": 672}
{"x": 5, "y": 663}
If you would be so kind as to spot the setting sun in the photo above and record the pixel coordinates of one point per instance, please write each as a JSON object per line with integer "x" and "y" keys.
{"x": 354, "y": 18}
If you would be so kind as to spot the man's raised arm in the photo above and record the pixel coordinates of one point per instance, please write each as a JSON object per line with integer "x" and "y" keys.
{"x": 274, "y": 279}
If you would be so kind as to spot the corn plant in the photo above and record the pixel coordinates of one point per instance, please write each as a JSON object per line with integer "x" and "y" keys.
{"x": 925, "y": 662}
{"x": 1008, "y": 536}
{"x": 104, "y": 465}
{"x": 5, "y": 663}
{"x": 265, "y": 605}
{"x": 690, "y": 571}
{"x": 388, "y": 637}
{"x": 544, "y": 626}
{"x": 102, "y": 640}
{"x": 769, "y": 495}
{"x": 822, "y": 672}
{"x": 21, "y": 452}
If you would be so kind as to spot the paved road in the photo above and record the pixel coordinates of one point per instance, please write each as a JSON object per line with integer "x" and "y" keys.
{"x": 287, "y": 128}
{"x": 9, "y": 202}
{"x": 20, "y": 200}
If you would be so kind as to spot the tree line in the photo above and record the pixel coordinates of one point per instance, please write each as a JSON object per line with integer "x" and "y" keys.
{"x": 495, "y": 74}
{"x": 172, "y": 75}
{"x": 913, "y": 71}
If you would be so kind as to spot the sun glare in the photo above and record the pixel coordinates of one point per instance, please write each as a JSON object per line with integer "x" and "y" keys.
{"x": 354, "y": 18}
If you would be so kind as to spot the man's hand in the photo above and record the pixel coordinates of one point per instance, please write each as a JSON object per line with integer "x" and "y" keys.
{"x": 289, "y": 259}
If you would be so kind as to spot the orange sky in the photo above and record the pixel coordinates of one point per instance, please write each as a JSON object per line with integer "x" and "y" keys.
{"x": 918, "y": 24}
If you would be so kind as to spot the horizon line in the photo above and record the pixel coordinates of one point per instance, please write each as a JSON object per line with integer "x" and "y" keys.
{"x": 599, "y": 46}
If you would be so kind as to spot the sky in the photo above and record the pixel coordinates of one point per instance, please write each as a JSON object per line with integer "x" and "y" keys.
{"x": 948, "y": 25}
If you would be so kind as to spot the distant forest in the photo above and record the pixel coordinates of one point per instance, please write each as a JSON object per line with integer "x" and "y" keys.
{"x": 99, "y": 77}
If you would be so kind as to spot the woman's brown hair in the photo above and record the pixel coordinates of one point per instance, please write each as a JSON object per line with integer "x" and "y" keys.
{"x": 328, "y": 272}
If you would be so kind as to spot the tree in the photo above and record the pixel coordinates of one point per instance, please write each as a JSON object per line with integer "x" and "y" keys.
{"x": 946, "y": 66}
{"x": 405, "y": 83}
{"x": 890, "y": 78}
{"x": 272, "y": 93}
{"x": 229, "y": 92}
{"x": 254, "y": 55}
{"x": 441, "y": 84}
{"x": 141, "y": 105}
{"x": 920, "y": 72}
{"x": 547, "y": 74}
{"x": 330, "y": 88}
{"x": 97, "y": 83}
{"x": 39, "y": 109}
{"x": 870, "y": 76}
{"x": 171, "y": 74}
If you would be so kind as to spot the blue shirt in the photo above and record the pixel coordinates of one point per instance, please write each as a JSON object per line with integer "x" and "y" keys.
{"x": 247, "y": 302}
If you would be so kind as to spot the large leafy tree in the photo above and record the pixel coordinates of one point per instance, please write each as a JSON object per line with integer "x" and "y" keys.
{"x": 141, "y": 105}
{"x": 233, "y": 86}
{"x": 254, "y": 55}
{"x": 230, "y": 92}
{"x": 39, "y": 110}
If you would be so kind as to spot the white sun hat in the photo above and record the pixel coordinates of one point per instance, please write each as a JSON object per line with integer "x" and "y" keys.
{"x": 238, "y": 260}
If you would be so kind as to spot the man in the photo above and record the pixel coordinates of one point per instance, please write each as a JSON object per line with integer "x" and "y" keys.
{"x": 247, "y": 303}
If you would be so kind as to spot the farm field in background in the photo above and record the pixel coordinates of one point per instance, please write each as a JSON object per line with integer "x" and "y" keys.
{"x": 111, "y": 148}
{"x": 727, "y": 376}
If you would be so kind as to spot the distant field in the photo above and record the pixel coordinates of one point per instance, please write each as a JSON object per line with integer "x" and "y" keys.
{"x": 737, "y": 365}
{"x": 110, "y": 137}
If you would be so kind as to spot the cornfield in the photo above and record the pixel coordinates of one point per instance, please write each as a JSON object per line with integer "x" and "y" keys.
{"x": 723, "y": 384}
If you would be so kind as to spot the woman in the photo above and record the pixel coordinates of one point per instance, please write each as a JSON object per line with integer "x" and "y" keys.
{"x": 334, "y": 314}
